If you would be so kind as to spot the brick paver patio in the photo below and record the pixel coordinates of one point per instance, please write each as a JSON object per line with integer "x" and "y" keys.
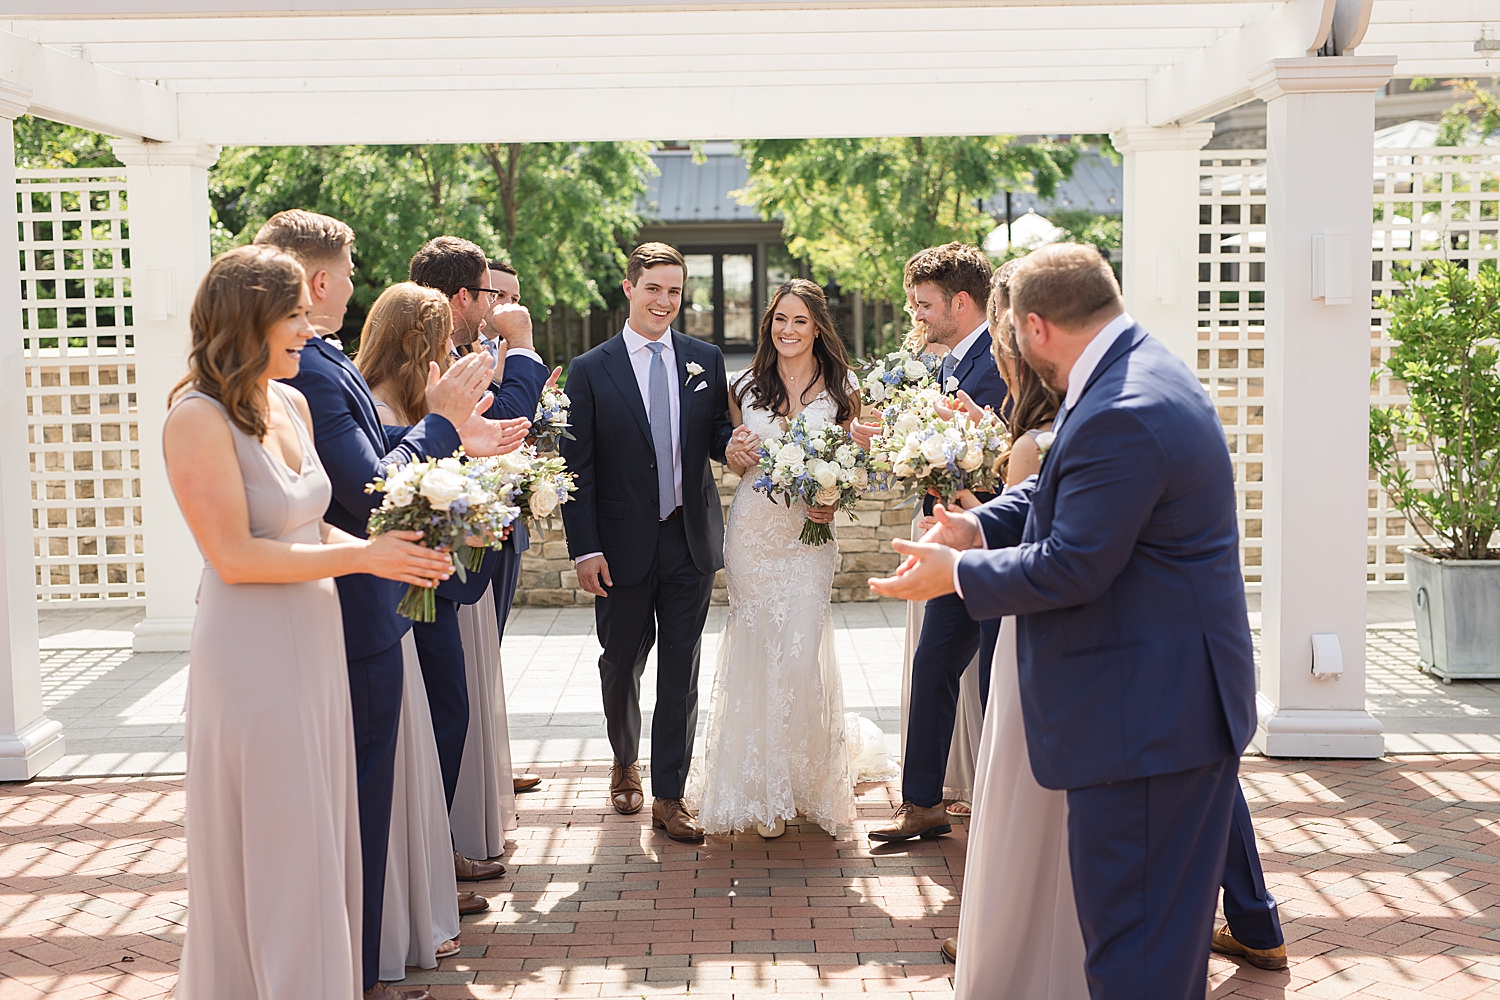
{"x": 1387, "y": 872}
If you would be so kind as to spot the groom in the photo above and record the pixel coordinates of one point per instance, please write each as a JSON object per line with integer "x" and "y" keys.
{"x": 1121, "y": 562}
{"x": 645, "y": 528}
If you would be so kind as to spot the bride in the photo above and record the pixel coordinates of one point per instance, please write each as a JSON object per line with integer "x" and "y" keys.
{"x": 775, "y": 743}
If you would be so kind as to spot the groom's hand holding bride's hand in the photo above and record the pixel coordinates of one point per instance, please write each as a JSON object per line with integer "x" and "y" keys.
{"x": 927, "y": 571}
{"x": 743, "y": 453}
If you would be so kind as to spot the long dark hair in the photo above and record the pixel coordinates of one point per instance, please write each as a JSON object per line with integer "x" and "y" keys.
{"x": 246, "y": 291}
{"x": 765, "y": 387}
{"x": 1033, "y": 402}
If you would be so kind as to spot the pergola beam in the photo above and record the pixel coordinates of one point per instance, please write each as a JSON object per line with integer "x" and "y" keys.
{"x": 69, "y": 89}
{"x": 1217, "y": 77}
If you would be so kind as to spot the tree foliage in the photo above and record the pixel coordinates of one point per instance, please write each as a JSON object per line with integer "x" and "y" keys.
{"x": 856, "y": 209}
{"x": 48, "y": 145}
{"x": 1447, "y": 351}
{"x": 1470, "y": 122}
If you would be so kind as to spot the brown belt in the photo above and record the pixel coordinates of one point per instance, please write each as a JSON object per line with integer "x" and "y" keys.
{"x": 674, "y": 515}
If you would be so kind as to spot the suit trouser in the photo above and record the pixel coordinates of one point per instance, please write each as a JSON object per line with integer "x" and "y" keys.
{"x": 440, "y": 649}
{"x": 375, "y": 700}
{"x": 1147, "y": 857}
{"x": 948, "y": 642}
{"x": 668, "y": 609}
{"x": 507, "y": 579}
{"x": 1249, "y": 907}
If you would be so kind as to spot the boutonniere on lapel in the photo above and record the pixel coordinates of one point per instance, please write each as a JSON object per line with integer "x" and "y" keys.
{"x": 694, "y": 369}
{"x": 951, "y": 385}
{"x": 1043, "y": 445}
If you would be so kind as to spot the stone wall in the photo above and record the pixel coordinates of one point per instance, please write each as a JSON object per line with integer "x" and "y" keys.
{"x": 548, "y": 581}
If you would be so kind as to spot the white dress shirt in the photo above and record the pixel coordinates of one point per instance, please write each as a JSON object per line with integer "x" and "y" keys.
{"x": 1078, "y": 378}
{"x": 637, "y": 348}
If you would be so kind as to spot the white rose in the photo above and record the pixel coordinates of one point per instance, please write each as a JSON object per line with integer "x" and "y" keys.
{"x": 543, "y": 500}
{"x": 451, "y": 464}
{"x": 901, "y": 355}
{"x": 914, "y": 370}
{"x": 933, "y": 451}
{"x": 951, "y": 385}
{"x": 1044, "y": 441}
{"x": 907, "y": 423}
{"x": 970, "y": 459}
{"x": 903, "y": 469}
{"x": 514, "y": 463}
{"x": 442, "y": 487}
{"x": 826, "y": 474}
{"x": 845, "y": 456}
{"x": 877, "y": 391}
{"x": 400, "y": 495}
{"x": 778, "y": 476}
{"x": 791, "y": 454}
{"x": 827, "y": 496}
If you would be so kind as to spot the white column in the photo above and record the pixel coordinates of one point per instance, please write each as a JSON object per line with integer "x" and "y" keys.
{"x": 169, "y": 253}
{"x": 1161, "y": 231}
{"x": 1319, "y": 149}
{"x": 29, "y": 741}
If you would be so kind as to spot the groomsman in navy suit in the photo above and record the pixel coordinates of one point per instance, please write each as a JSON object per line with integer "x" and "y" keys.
{"x": 1120, "y": 561}
{"x": 354, "y": 449}
{"x": 460, "y": 270}
{"x": 949, "y": 287}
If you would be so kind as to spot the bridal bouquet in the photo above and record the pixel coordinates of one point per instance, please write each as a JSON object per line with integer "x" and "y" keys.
{"x": 449, "y": 501}
{"x": 817, "y": 463}
{"x": 538, "y": 484}
{"x": 550, "y": 425}
{"x": 884, "y": 378}
{"x": 923, "y": 449}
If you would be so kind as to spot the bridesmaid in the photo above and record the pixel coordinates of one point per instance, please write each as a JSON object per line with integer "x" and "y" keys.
{"x": 402, "y": 336}
{"x": 273, "y": 849}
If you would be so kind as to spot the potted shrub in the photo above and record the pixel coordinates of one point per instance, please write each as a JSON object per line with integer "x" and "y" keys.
{"x": 1447, "y": 351}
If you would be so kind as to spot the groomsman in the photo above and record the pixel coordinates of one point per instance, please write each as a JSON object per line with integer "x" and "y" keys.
{"x": 354, "y": 448}
{"x": 507, "y": 285}
{"x": 460, "y": 270}
{"x": 949, "y": 287}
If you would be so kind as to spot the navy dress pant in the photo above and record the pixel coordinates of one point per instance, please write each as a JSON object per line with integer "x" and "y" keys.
{"x": 440, "y": 649}
{"x": 375, "y": 700}
{"x": 1249, "y": 907}
{"x": 1147, "y": 857}
{"x": 948, "y": 642}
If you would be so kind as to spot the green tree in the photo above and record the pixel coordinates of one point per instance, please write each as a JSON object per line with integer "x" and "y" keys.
{"x": 1476, "y": 120}
{"x": 49, "y": 145}
{"x": 856, "y": 209}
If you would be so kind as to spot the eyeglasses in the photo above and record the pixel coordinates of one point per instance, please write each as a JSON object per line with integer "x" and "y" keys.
{"x": 493, "y": 293}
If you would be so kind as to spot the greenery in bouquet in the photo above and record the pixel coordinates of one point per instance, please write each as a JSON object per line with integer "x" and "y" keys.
{"x": 922, "y": 449}
{"x": 816, "y": 463}
{"x": 447, "y": 500}
{"x": 884, "y": 379}
{"x": 550, "y": 425}
{"x": 539, "y": 483}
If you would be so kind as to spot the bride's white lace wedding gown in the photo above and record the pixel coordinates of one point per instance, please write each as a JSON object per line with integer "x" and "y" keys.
{"x": 777, "y": 741}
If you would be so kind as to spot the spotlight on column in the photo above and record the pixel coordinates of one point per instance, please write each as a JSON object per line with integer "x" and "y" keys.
{"x": 1327, "y": 657}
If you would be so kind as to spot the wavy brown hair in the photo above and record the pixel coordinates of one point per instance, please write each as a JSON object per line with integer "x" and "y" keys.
{"x": 406, "y": 330}
{"x": 1033, "y": 402}
{"x": 765, "y": 387}
{"x": 246, "y": 291}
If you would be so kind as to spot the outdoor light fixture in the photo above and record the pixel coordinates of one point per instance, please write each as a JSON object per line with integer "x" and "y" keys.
{"x": 1333, "y": 267}
{"x": 1327, "y": 657}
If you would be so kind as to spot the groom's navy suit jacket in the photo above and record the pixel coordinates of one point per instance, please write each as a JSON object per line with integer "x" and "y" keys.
{"x": 615, "y": 510}
{"x": 354, "y": 449}
{"x": 1121, "y": 561}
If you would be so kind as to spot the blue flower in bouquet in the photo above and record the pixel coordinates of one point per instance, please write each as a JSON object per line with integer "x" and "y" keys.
{"x": 815, "y": 463}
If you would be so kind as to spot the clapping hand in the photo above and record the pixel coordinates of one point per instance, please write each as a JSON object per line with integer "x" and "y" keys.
{"x": 966, "y": 406}
{"x": 455, "y": 393}
{"x": 483, "y": 437}
{"x": 927, "y": 571}
{"x": 864, "y": 433}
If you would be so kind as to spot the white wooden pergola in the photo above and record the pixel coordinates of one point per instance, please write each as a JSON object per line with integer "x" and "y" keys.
{"x": 177, "y": 79}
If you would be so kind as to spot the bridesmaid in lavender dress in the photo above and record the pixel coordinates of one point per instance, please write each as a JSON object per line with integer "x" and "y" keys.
{"x": 273, "y": 847}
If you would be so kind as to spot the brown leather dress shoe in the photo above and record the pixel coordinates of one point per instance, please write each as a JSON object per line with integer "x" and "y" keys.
{"x": 950, "y": 949}
{"x": 672, "y": 816}
{"x": 471, "y": 902}
{"x": 469, "y": 870}
{"x": 384, "y": 991}
{"x": 1270, "y": 959}
{"x": 526, "y": 782}
{"x": 912, "y": 820}
{"x": 625, "y": 788}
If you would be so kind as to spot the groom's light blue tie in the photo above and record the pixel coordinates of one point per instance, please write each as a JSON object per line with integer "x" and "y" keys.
{"x": 949, "y": 364}
{"x": 661, "y": 432}
{"x": 1057, "y": 421}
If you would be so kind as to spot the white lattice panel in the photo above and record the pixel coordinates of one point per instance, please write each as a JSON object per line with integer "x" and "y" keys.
{"x": 1232, "y": 322}
{"x": 1430, "y": 204}
{"x": 80, "y": 385}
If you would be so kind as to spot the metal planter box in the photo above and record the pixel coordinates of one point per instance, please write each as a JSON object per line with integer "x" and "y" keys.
{"x": 1457, "y": 607}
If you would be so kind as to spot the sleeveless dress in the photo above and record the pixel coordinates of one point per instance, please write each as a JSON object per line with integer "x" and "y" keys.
{"x": 775, "y": 742}
{"x": 420, "y": 909}
{"x": 1018, "y": 933}
{"x": 484, "y": 802}
{"x": 273, "y": 852}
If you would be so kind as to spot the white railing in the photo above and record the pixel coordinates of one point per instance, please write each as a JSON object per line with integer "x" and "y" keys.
{"x": 80, "y": 385}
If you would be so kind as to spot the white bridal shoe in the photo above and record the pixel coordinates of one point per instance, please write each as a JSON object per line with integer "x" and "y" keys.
{"x": 773, "y": 831}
